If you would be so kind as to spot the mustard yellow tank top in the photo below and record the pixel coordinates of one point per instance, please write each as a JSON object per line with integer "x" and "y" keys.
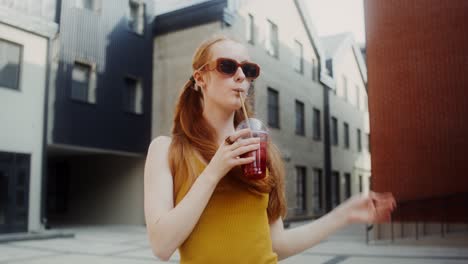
{"x": 233, "y": 228}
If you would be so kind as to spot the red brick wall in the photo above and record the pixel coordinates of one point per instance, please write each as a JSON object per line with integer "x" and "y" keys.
{"x": 417, "y": 59}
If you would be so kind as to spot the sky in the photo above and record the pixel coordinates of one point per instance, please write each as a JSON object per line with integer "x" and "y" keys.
{"x": 335, "y": 16}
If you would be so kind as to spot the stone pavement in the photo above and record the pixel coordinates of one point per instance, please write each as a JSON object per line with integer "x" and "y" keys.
{"x": 129, "y": 244}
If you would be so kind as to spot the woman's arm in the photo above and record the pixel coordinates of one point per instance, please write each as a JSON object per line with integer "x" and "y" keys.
{"x": 358, "y": 209}
{"x": 167, "y": 226}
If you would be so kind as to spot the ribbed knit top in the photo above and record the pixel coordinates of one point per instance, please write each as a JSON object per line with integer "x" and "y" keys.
{"x": 233, "y": 228}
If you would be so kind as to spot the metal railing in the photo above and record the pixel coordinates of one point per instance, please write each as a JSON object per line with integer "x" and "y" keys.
{"x": 444, "y": 209}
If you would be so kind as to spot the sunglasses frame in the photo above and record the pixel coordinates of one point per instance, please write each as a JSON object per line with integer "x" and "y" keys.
{"x": 218, "y": 62}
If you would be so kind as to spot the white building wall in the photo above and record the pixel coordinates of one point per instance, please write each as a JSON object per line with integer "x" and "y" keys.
{"x": 347, "y": 110}
{"x": 22, "y": 111}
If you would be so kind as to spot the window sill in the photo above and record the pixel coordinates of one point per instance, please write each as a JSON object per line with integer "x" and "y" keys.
{"x": 10, "y": 88}
{"x": 133, "y": 113}
{"x": 75, "y": 100}
{"x": 137, "y": 34}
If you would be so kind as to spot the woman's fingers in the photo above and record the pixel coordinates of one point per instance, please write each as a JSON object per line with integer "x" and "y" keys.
{"x": 239, "y": 134}
{"x": 242, "y": 150}
{"x": 243, "y": 161}
{"x": 244, "y": 142}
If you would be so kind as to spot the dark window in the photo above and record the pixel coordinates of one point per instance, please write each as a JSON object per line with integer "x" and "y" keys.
{"x": 346, "y": 135}
{"x": 300, "y": 126}
{"x": 81, "y": 82}
{"x": 315, "y": 70}
{"x": 93, "y": 5}
{"x": 250, "y": 29}
{"x": 317, "y": 125}
{"x": 133, "y": 96}
{"x": 273, "y": 108}
{"x": 318, "y": 194}
{"x": 298, "y": 57}
{"x": 14, "y": 191}
{"x": 334, "y": 131}
{"x": 271, "y": 40}
{"x": 347, "y": 178}
{"x": 301, "y": 189}
{"x": 360, "y": 183}
{"x": 335, "y": 188}
{"x": 10, "y": 64}
{"x": 136, "y": 20}
{"x": 359, "y": 145}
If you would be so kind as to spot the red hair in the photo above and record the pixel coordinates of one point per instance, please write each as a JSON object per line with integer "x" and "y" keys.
{"x": 191, "y": 134}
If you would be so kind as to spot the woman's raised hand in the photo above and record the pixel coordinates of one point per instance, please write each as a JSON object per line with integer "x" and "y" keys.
{"x": 228, "y": 154}
{"x": 368, "y": 208}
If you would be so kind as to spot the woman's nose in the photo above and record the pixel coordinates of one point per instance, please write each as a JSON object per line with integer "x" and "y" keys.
{"x": 239, "y": 76}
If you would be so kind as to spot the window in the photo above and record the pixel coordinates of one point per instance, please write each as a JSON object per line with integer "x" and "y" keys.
{"x": 317, "y": 125}
{"x": 347, "y": 178}
{"x": 271, "y": 43}
{"x": 346, "y": 135}
{"x": 133, "y": 96}
{"x": 334, "y": 131}
{"x": 315, "y": 70}
{"x": 83, "y": 82}
{"x": 359, "y": 146}
{"x": 92, "y": 5}
{"x": 298, "y": 57}
{"x": 300, "y": 127}
{"x": 360, "y": 183}
{"x": 335, "y": 181}
{"x": 300, "y": 189}
{"x": 345, "y": 88}
{"x": 136, "y": 19}
{"x": 273, "y": 108}
{"x": 358, "y": 97}
{"x": 250, "y": 29}
{"x": 10, "y": 64}
{"x": 318, "y": 193}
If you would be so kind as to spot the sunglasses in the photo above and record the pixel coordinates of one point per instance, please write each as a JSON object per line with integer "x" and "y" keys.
{"x": 229, "y": 67}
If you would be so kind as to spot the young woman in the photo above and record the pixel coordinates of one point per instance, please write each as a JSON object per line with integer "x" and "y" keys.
{"x": 196, "y": 198}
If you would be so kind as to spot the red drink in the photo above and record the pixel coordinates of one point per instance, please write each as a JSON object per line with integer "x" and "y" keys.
{"x": 257, "y": 169}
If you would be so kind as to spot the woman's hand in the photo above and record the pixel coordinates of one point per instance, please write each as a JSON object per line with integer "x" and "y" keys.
{"x": 227, "y": 155}
{"x": 367, "y": 208}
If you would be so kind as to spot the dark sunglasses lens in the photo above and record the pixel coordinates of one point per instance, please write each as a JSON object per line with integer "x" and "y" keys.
{"x": 227, "y": 66}
{"x": 250, "y": 70}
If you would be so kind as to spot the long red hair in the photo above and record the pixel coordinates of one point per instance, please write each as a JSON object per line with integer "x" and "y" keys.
{"x": 191, "y": 134}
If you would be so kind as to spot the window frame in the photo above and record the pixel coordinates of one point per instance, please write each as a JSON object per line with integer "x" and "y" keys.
{"x": 20, "y": 65}
{"x": 272, "y": 38}
{"x": 92, "y": 82}
{"x": 346, "y": 143}
{"x": 317, "y": 124}
{"x": 142, "y": 5}
{"x": 334, "y": 131}
{"x": 271, "y": 91}
{"x": 250, "y": 29}
{"x": 302, "y": 194}
{"x": 139, "y": 86}
{"x": 298, "y": 58}
{"x": 300, "y": 129}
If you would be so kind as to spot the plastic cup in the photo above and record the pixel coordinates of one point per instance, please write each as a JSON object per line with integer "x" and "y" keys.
{"x": 256, "y": 169}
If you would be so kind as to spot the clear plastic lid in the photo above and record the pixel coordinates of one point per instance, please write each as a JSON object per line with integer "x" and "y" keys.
{"x": 255, "y": 125}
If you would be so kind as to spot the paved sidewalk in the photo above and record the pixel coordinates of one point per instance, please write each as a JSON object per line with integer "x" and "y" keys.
{"x": 129, "y": 244}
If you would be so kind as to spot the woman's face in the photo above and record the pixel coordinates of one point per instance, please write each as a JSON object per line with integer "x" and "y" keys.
{"x": 221, "y": 89}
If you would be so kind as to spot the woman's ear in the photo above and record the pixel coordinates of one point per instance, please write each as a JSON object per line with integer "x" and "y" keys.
{"x": 199, "y": 82}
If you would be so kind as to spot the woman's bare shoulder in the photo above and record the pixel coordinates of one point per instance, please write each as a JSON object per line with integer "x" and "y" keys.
{"x": 160, "y": 143}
